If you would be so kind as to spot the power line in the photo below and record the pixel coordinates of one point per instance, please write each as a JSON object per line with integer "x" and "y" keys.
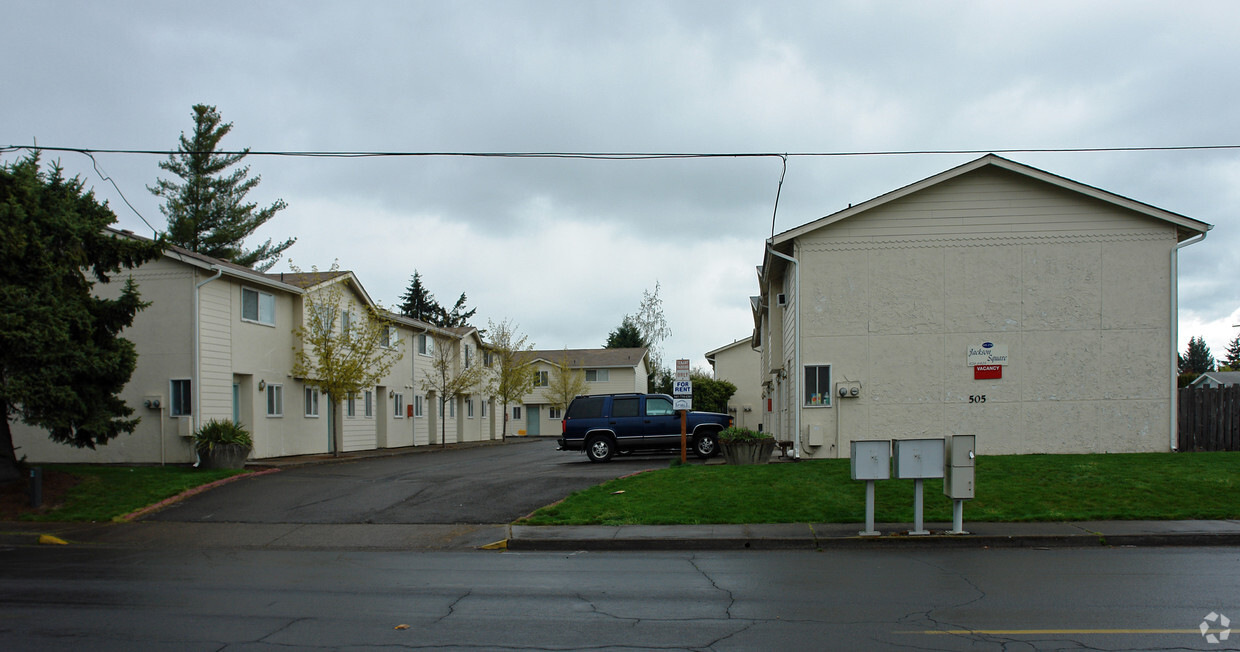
{"x": 623, "y": 156}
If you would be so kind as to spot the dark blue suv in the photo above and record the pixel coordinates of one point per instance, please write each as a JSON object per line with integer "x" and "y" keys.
{"x": 603, "y": 425}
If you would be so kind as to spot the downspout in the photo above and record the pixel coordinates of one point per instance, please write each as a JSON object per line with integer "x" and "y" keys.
{"x": 796, "y": 347}
{"x": 196, "y": 418}
{"x": 1175, "y": 335}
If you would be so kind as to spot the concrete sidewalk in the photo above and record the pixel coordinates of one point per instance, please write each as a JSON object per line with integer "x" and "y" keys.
{"x": 790, "y": 536}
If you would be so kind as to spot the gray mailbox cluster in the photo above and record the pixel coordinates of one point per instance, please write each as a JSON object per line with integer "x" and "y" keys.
{"x": 951, "y": 459}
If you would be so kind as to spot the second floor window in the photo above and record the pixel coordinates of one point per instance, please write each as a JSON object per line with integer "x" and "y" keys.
{"x": 598, "y": 375}
{"x": 258, "y": 306}
{"x": 540, "y": 379}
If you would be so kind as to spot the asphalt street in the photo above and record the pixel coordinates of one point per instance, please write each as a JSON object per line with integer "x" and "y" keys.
{"x": 487, "y": 484}
{"x": 108, "y": 598}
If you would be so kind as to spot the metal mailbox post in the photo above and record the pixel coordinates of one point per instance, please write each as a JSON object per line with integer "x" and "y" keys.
{"x": 871, "y": 460}
{"x": 959, "y": 475}
{"x": 919, "y": 459}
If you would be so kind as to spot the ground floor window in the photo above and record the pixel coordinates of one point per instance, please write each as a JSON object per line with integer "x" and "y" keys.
{"x": 398, "y": 406}
{"x": 818, "y": 385}
{"x": 484, "y": 407}
{"x": 469, "y": 408}
{"x": 417, "y": 405}
{"x": 312, "y": 402}
{"x": 516, "y": 413}
{"x": 370, "y": 404}
{"x": 180, "y": 401}
{"x": 275, "y": 400}
{"x": 553, "y": 413}
{"x": 350, "y": 406}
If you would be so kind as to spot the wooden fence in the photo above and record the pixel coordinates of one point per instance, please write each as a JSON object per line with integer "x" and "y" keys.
{"x": 1209, "y": 419}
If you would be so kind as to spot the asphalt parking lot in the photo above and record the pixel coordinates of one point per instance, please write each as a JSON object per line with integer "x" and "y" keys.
{"x": 487, "y": 484}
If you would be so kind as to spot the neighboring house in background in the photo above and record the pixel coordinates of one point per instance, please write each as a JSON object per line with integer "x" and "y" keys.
{"x": 217, "y": 342}
{"x": 992, "y": 299}
{"x": 1217, "y": 379}
{"x": 607, "y": 371}
{"x": 740, "y": 364}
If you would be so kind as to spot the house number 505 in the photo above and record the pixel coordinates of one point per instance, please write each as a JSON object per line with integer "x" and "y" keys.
{"x": 977, "y": 398}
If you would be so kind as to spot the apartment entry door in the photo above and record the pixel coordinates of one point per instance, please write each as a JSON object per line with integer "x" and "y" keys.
{"x": 532, "y": 420}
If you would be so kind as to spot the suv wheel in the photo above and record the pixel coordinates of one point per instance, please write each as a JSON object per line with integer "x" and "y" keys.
{"x": 706, "y": 445}
{"x": 599, "y": 448}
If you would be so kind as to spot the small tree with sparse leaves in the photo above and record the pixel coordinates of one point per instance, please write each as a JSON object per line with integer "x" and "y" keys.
{"x": 450, "y": 377}
{"x": 512, "y": 376}
{"x": 341, "y": 351}
{"x": 564, "y": 384}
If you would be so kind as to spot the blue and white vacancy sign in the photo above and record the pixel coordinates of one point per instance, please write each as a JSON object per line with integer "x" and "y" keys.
{"x": 682, "y": 388}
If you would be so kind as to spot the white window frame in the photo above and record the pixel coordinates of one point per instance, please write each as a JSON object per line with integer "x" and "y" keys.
{"x": 259, "y": 305}
{"x": 516, "y": 413}
{"x": 417, "y": 406}
{"x": 275, "y": 400}
{"x": 807, "y": 395}
{"x": 452, "y": 409}
{"x": 346, "y": 321}
{"x": 484, "y": 407}
{"x": 553, "y": 413}
{"x": 180, "y": 401}
{"x": 350, "y": 406}
{"x": 541, "y": 378}
{"x": 398, "y": 405}
{"x": 468, "y": 357}
{"x": 426, "y": 344}
{"x": 370, "y": 404}
{"x": 469, "y": 408}
{"x": 600, "y": 375}
{"x": 312, "y": 402}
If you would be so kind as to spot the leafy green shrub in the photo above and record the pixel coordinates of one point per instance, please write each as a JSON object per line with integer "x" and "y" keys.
{"x": 737, "y": 434}
{"x": 219, "y": 433}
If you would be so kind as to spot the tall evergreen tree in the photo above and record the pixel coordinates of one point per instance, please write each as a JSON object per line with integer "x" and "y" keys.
{"x": 626, "y": 336}
{"x": 1233, "y": 354}
{"x": 206, "y": 210}
{"x": 458, "y": 316}
{"x": 418, "y": 302}
{"x": 1196, "y": 359}
{"x": 62, "y": 359}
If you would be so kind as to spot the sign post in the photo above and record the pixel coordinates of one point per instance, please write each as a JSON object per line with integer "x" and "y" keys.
{"x": 682, "y": 399}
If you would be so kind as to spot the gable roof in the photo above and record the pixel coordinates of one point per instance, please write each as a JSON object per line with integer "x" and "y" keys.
{"x": 710, "y": 357}
{"x": 591, "y": 358}
{"x": 1186, "y": 227}
{"x": 1226, "y": 378}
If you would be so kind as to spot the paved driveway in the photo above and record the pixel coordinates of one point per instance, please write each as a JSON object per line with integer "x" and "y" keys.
{"x": 489, "y": 484}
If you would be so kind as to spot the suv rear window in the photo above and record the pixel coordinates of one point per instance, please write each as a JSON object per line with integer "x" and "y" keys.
{"x": 586, "y": 408}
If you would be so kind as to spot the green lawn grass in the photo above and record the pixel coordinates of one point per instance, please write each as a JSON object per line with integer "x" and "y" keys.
{"x": 1157, "y": 486}
{"x": 106, "y": 492}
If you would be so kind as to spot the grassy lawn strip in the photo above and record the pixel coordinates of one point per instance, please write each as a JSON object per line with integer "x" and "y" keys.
{"x": 1153, "y": 486}
{"x": 106, "y": 492}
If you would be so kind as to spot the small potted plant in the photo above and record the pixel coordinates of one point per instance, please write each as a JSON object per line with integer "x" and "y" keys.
{"x": 222, "y": 445}
{"x": 745, "y": 446}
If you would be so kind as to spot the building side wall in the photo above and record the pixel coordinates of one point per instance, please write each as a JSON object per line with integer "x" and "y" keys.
{"x": 740, "y": 365}
{"x": 1078, "y": 290}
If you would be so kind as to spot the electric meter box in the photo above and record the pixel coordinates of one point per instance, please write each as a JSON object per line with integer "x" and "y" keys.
{"x": 871, "y": 459}
{"x": 918, "y": 458}
{"x": 959, "y": 476}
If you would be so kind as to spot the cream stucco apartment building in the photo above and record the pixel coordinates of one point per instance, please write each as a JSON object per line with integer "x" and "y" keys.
{"x": 739, "y": 363}
{"x": 606, "y": 371}
{"x": 217, "y": 342}
{"x": 992, "y": 299}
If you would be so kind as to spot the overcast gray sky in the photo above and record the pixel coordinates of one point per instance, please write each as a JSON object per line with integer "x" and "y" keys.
{"x": 565, "y": 248}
